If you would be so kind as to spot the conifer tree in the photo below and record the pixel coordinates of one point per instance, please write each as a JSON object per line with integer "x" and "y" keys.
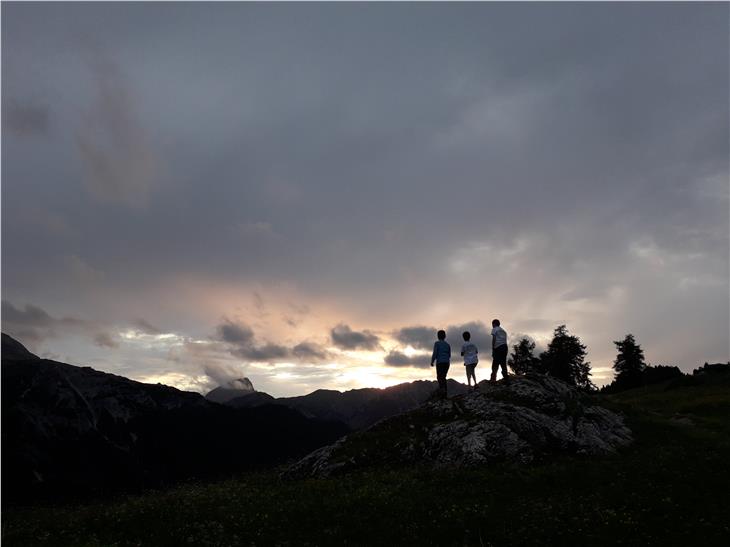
{"x": 565, "y": 359}
{"x": 522, "y": 360}
{"x": 629, "y": 364}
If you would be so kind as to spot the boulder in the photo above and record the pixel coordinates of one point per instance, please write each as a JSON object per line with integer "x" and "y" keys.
{"x": 528, "y": 418}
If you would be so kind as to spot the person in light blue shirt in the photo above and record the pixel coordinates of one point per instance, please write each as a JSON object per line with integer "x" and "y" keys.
{"x": 442, "y": 357}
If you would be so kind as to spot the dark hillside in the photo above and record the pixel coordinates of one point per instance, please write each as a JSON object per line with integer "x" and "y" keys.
{"x": 669, "y": 487}
{"x": 358, "y": 408}
{"x": 72, "y": 431}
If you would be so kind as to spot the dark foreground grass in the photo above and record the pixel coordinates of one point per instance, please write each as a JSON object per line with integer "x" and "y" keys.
{"x": 671, "y": 487}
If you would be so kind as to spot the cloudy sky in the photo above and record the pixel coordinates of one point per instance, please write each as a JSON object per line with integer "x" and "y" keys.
{"x": 302, "y": 194}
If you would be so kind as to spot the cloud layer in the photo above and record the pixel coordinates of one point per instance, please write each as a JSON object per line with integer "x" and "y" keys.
{"x": 339, "y": 181}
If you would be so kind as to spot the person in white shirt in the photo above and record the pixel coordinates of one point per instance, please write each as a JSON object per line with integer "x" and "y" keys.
{"x": 469, "y": 351}
{"x": 499, "y": 351}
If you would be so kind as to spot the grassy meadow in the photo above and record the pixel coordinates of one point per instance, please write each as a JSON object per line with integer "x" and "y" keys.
{"x": 671, "y": 487}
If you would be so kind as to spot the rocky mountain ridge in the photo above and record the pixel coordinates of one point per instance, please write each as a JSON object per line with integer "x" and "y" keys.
{"x": 358, "y": 408}
{"x": 70, "y": 430}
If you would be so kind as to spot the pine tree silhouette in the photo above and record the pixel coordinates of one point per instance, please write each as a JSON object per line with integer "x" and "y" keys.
{"x": 565, "y": 359}
{"x": 629, "y": 364}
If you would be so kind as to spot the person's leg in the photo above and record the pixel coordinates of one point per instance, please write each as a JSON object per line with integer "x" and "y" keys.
{"x": 441, "y": 370}
{"x": 503, "y": 361}
{"x": 470, "y": 375}
{"x": 495, "y": 367}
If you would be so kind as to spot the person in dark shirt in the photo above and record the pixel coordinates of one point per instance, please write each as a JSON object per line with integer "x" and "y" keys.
{"x": 442, "y": 357}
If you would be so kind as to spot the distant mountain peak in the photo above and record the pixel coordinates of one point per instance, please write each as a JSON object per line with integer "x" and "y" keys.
{"x": 242, "y": 384}
{"x": 230, "y": 390}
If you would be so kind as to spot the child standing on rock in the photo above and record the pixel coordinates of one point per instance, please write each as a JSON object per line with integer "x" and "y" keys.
{"x": 442, "y": 357}
{"x": 470, "y": 353}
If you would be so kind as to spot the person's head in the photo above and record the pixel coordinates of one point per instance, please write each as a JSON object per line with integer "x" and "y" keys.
{"x": 441, "y": 335}
{"x": 495, "y": 322}
{"x": 467, "y": 335}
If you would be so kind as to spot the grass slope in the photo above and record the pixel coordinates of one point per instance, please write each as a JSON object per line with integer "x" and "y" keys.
{"x": 670, "y": 488}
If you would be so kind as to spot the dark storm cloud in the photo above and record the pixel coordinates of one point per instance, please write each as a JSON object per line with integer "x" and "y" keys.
{"x": 419, "y": 337}
{"x": 397, "y": 359}
{"x": 310, "y": 352}
{"x": 265, "y": 353}
{"x": 24, "y": 119}
{"x": 34, "y": 324}
{"x": 416, "y": 337}
{"x": 241, "y": 342}
{"x": 345, "y": 338}
{"x": 543, "y": 162}
{"x": 235, "y": 333}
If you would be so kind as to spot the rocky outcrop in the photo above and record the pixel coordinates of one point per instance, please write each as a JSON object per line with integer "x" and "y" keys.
{"x": 528, "y": 418}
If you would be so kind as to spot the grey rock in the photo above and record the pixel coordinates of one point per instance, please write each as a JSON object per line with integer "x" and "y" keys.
{"x": 528, "y": 418}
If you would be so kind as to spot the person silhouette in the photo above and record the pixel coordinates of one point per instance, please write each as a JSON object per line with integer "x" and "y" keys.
{"x": 442, "y": 357}
{"x": 499, "y": 351}
{"x": 471, "y": 357}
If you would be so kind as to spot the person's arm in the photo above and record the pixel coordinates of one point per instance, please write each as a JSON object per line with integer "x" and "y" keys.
{"x": 462, "y": 350}
{"x": 433, "y": 355}
{"x": 449, "y": 346}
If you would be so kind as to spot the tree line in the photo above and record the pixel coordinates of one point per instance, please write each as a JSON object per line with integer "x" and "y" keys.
{"x": 565, "y": 355}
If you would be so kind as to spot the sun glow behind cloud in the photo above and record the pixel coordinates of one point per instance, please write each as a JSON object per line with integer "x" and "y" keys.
{"x": 347, "y": 369}
{"x": 458, "y": 190}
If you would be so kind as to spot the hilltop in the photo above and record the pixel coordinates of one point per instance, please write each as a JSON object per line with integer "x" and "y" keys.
{"x": 528, "y": 418}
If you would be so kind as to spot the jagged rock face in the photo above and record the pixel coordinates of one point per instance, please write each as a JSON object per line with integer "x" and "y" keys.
{"x": 230, "y": 390}
{"x": 529, "y": 418}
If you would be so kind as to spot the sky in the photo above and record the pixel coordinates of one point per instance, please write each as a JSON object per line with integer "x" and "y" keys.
{"x": 302, "y": 194}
